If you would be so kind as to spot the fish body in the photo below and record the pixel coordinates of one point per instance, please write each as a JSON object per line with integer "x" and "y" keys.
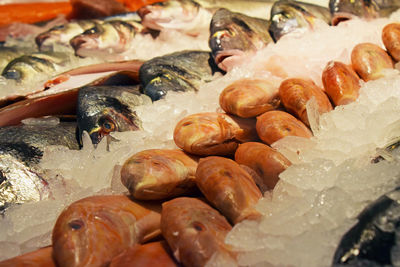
{"x": 29, "y": 67}
{"x": 114, "y": 36}
{"x": 373, "y": 240}
{"x": 93, "y": 230}
{"x": 105, "y": 109}
{"x": 62, "y": 34}
{"x": 234, "y": 34}
{"x": 288, "y": 16}
{"x": 180, "y": 71}
{"x": 21, "y": 148}
{"x": 39, "y": 258}
{"x": 347, "y": 9}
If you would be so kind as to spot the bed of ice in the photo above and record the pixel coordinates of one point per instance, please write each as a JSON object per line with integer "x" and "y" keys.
{"x": 331, "y": 181}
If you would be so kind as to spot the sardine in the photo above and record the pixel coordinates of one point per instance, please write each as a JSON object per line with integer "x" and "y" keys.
{"x": 232, "y": 35}
{"x": 114, "y": 36}
{"x": 180, "y": 71}
{"x": 374, "y": 239}
{"x": 29, "y": 67}
{"x": 105, "y": 109}
{"x": 62, "y": 34}
{"x": 342, "y": 10}
{"x": 21, "y": 148}
{"x": 288, "y": 16}
{"x": 93, "y": 230}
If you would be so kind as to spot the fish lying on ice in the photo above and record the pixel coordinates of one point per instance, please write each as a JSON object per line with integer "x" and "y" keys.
{"x": 374, "y": 239}
{"x": 114, "y": 36}
{"x": 180, "y": 71}
{"x": 232, "y": 35}
{"x": 288, "y": 16}
{"x": 342, "y": 10}
{"x": 193, "y": 17}
{"x": 21, "y": 148}
{"x": 62, "y": 34}
{"x": 30, "y": 67}
{"x": 105, "y": 109}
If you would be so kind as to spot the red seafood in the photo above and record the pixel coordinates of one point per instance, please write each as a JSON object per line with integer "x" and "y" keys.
{"x": 159, "y": 173}
{"x": 274, "y": 125}
{"x": 264, "y": 160}
{"x": 369, "y": 61}
{"x": 341, "y": 83}
{"x": 213, "y": 133}
{"x": 93, "y": 230}
{"x": 391, "y": 39}
{"x": 155, "y": 254}
{"x": 296, "y": 92}
{"x": 194, "y": 231}
{"x": 229, "y": 188}
{"x": 249, "y": 97}
{"x": 39, "y": 258}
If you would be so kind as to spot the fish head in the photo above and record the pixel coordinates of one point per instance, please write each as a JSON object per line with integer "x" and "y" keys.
{"x": 232, "y": 35}
{"x": 89, "y": 40}
{"x": 47, "y": 39}
{"x": 287, "y": 17}
{"x": 100, "y": 112}
{"x": 342, "y": 10}
{"x": 173, "y": 14}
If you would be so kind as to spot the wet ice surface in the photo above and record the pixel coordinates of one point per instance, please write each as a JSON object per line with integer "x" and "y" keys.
{"x": 317, "y": 198}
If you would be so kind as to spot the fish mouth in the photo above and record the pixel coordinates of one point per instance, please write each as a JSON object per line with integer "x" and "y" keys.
{"x": 143, "y": 11}
{"x": 340, "y": 17}
{"x": 82, "y": 42}
{"x": 40, "y": 40}
{"x": 227, "y": 59}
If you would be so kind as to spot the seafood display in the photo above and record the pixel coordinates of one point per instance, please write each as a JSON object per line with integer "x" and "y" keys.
{"x": 202, "y": 133}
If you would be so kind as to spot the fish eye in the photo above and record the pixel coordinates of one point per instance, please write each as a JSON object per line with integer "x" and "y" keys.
{"x": 108, "y": 126}
{"x": 12, "y": 74}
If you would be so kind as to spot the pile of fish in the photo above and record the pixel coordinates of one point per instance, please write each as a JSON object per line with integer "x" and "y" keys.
{"x": 182, "y": 202}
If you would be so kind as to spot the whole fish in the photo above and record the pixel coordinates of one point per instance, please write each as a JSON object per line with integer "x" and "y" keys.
{"x": 114, "y": 36}
{"x": 21, "y": 148}
{"x": 234, "y": 34}
{"x": 30, "y": 67}
{"x": 374, "y": 239}
{"x": 193, "y": 16}
{"x": 62, "y": 34}
{"x": 194, "y": 231}
{"x": 93, "y": 230}
{"x": 179, "y": 71}
{"x": 288, "y": 16}
{"x": 347, "y": 9}
{"x": 105, "y": 109}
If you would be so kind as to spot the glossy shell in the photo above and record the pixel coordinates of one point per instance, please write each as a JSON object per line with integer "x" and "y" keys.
{"x": 156, "y": 254}
{"x": 194, "y": 231}
{"x": 369, "y": 61}
{"x": 391, "y": 39}
{"x": 341, "y": 83}
{"x": 228, "y": 187}
{"x": 296, "y": 92}
{"x": 93, "y": 230}
{"x": 274, "y": 125}
{"x": 159, "y": 174}
{"x": 249, "y": 97}
{"x": 264, "y": 160}
{"x": 213, "y": 133}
